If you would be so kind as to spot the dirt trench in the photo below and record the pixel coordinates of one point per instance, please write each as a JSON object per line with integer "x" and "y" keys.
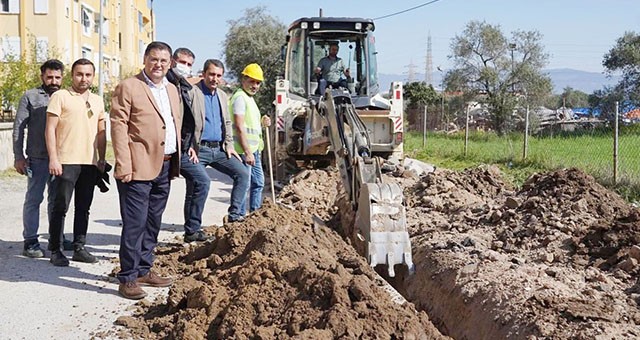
{"x": 555, "y": 259}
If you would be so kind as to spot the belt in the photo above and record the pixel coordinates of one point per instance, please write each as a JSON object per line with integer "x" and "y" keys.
{"x": 210, "y": 144}
{"x": 167, "y": 157}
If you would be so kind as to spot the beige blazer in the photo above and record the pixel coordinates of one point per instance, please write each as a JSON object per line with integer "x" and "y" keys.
{"x": 138, "y": 130}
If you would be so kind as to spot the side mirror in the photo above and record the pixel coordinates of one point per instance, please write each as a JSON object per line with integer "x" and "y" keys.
{"x": 283, "y": 52}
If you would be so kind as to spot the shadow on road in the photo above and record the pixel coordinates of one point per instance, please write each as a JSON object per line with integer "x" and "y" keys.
{"x": 16, "y": 268}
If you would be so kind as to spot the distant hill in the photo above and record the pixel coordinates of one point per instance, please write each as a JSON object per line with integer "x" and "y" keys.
{"x": 580, "y": 80}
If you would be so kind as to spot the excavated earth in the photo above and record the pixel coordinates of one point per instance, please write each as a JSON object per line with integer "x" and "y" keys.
{"x": 557, "y": 258}
{"x": 282, "y": 273}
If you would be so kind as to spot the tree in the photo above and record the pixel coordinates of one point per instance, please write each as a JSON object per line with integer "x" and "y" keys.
{"x": 418, "y": 94}
{"x": 498, "y": 70}
{"x": 18, "y": 75}
{"x": 20, "y": 72}
{"x": 624, "y": 57}
{"x": 573, "y": 98}
{"x": 256, "y": 38}
{"x": 604, "y": 100}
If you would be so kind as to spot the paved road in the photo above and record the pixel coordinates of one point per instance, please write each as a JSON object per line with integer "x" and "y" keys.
{"x": 40, "y": 301}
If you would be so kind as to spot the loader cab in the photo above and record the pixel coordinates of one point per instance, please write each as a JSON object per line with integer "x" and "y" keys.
{"x": 309, "y": 40}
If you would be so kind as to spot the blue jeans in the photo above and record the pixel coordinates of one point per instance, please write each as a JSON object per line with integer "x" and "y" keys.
{"x": 232, "y": 167}
{"x": 323, "y": 84}
{"x": 256, "y": 185}
{"x": 38, "y": 178}
{"x": 197, "y": 182}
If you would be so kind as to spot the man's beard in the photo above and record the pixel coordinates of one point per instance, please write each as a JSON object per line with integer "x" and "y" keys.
{"x": 51, "y": 88}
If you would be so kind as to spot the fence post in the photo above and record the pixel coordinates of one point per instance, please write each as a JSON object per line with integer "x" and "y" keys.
{"x": 424, "y": 127}
{"x": 615, "y": 145}
{"x": 526, "y": 134}
{"x": 466, "y": 132}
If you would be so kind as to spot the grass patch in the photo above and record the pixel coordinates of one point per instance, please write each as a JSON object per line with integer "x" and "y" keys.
{"x": 591, "y": 151}
{"x": 9, "y": 173}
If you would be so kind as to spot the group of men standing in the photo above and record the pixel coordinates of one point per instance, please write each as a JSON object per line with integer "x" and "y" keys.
{"x": 162, "y": 125}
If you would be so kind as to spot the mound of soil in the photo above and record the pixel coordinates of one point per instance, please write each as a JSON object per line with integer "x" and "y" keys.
{"x": 556, "y": 259}
{"x": 279, "y": 274}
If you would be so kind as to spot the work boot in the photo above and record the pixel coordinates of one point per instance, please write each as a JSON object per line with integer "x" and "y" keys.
{"x": 58, "y": 259}
{"x": 82, "y": 255}
{"x": 198, "y": 236}
{"x": 33, "y": 250}
{"x": 154, "y": 280}
{"x": 131, "y": 290}
{"x": 226, "y": 219}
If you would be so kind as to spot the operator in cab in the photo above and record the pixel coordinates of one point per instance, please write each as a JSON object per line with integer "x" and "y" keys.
{"x": 330, "y": 70}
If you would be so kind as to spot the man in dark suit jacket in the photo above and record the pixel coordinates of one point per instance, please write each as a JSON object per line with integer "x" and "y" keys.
{"x": 145, "y": 131}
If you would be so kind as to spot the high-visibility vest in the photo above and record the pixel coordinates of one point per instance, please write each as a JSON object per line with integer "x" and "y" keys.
{"x": 251, "y": 122}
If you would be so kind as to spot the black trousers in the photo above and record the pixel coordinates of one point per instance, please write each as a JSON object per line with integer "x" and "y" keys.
{"x": 141, "y": 206}
{"x": 78, "y": 181}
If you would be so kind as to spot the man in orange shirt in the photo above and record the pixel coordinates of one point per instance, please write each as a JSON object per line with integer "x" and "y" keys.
{"x": 76, "y": 144}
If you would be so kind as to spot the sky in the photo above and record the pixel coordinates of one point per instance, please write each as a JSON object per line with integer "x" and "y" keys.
{"x": 576, "y": 33}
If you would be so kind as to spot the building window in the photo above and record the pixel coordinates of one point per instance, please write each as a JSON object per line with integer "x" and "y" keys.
{"x": 42, "y": 49}
{"x": 86, "y": 53}
{"x": 141, "y": 48}
{"x": 40, "y": 6}
{"x": 10, "y": 6}
{"x": 87, "y": 19}
{"x": 10, "y": 48}
{"x": 140, "y": 23}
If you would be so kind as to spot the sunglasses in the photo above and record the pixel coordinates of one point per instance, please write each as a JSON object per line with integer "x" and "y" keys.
{"x": 89, "y": 111}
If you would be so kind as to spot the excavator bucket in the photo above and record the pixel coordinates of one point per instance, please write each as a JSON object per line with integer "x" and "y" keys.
{"x": 381, "y": 223}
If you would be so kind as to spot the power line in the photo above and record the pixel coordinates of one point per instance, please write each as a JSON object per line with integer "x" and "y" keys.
{"x": 406, "y": 10}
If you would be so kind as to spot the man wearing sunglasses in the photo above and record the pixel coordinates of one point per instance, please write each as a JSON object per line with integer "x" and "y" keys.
{"x": 76, "y": 144}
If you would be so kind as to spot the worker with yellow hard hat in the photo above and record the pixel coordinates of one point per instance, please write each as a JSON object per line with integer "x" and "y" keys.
{"x": 247, "y": 130}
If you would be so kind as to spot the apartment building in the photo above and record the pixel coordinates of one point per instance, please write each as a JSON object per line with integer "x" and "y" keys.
{"x": 70, "y": 29}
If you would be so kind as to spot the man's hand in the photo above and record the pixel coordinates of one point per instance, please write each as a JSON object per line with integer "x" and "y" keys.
{"x": 249, "y": 159}
{"x": 347, "y": 73}
{"x": 231, "y": 152}
{"x": 55, "y": 168}
{"x": 317, "y": 70}
{"x": 101, "y": 165}
{"x": 265, "y": 121}
{"x": 126, "y": 178}
{"x": 21, "y": 166}
{"x": 193, "y": 156}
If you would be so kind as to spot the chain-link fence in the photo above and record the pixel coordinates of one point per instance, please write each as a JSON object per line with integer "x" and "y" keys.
{"x": 603, "y": 146}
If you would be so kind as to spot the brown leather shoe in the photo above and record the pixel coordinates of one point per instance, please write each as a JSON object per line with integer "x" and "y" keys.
{"x": 131, "y": 290}
{"x": 154, "y": 280}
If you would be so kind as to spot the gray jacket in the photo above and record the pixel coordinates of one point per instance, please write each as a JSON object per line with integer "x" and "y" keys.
{"x": 224, "y": 107}
{"x": 32, "y": 114}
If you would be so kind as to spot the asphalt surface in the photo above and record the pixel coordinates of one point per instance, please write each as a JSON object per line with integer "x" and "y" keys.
{"x": 40, "y": 301}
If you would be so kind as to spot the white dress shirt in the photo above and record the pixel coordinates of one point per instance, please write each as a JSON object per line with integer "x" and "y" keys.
{"x": 162, "y": 100}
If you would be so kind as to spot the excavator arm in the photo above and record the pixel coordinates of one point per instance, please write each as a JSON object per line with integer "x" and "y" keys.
{"x": 379, "y": 231}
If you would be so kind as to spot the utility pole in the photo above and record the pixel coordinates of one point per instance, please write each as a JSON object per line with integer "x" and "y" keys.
{"x": 512, "y": 47}
{"x": 428, "y": 70}
{"x": 441, "y": 95}
{"x": 100, "y": 51}
{"x": 411, "y": 72}
{"x": 424, "y": 127}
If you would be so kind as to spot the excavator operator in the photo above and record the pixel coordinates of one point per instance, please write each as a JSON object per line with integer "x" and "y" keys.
{"x": 330, "y": 70}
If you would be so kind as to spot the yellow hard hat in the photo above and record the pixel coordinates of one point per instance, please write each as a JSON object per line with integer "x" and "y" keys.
{"x": 253, "y": 71}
